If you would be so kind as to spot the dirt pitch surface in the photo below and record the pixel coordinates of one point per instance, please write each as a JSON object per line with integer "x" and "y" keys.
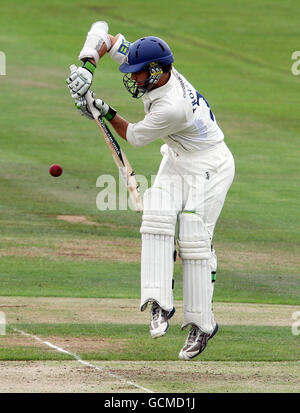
{"x": 79, "y": 376}
{"x": 117, "y": 376}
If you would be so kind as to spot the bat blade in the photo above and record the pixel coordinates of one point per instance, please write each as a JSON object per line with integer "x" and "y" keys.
{"x": 119, "y": 157}
{"x": 126, "y": 170}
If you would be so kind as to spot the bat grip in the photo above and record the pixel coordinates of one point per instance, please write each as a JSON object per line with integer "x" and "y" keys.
{"x": 89, "y": 99}
{"x": 73, "y": 68}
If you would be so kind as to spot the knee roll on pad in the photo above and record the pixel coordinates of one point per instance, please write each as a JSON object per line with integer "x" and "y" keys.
{"x": 194, "y": 239}
{"x": 157, "y": 263}
{"x": 159, "y": 216}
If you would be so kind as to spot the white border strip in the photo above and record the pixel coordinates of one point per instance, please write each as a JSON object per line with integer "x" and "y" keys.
{"x": 85, "y": 363}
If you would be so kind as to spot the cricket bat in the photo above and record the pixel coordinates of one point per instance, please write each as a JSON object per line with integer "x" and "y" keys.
{"x": 118, "y": 155}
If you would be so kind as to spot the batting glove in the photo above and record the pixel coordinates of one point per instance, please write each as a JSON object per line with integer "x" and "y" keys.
{"x": 105, "y": 110}
{"x": 81, "y": 79}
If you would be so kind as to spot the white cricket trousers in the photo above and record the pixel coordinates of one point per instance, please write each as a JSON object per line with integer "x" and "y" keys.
{"x": 195, "y": 184}
{"x": 197, "y": 181}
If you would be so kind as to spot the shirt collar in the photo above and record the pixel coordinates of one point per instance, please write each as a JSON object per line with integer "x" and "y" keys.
{"x": 160, "y": 91}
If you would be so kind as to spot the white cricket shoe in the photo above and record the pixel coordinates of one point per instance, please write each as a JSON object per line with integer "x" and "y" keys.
{"x": 159, "y": 320}
{"x": 195, "y": 343}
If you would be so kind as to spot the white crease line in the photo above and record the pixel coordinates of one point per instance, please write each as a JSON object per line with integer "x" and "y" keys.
{"x": 76, "y": 357}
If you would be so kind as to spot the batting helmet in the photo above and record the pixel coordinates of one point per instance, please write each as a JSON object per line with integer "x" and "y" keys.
{"x": 145, "y": 51}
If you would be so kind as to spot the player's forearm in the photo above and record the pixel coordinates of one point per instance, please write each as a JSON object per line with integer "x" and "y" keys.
{"x": 99, "y": 42}
{"x": 120, "y": 125}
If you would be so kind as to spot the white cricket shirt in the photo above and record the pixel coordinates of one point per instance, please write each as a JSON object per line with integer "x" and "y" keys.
{"x": 177, "y": 113}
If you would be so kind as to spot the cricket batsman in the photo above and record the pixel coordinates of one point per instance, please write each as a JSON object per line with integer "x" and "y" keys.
{"x": 190, "y": 188}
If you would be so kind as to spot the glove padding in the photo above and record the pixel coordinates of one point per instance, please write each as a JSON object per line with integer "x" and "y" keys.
{"x": 104, "y": 109}
{"x": 80, "y": 81}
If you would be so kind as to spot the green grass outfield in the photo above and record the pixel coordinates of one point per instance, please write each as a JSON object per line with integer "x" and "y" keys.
{"x": 238, "y": 55}
{"x": 74, "y": 278}
{"x": 135, "y": 343}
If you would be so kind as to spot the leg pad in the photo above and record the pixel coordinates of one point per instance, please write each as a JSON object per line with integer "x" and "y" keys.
{"x": 157, "y": 261}
{"x": 195, "y": 251}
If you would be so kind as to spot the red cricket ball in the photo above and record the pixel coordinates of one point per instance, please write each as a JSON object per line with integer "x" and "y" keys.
{"x": 55, "y": 170}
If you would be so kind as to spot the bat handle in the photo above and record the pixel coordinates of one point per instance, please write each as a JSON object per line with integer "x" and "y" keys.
{"x": 73, "y": 68}
{"x": 89, "y": 99}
